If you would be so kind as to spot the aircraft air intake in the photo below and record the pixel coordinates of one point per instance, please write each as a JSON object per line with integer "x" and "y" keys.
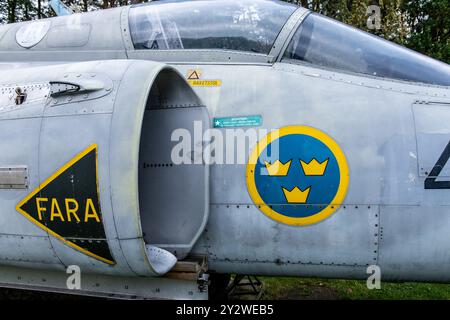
{"x": 86, "y": 168}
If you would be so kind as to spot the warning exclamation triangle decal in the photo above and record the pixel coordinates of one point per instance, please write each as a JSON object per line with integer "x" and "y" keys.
{"x": 193, "y": 75}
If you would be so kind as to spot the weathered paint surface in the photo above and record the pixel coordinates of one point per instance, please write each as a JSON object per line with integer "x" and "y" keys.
{"x": 391, "y": 132}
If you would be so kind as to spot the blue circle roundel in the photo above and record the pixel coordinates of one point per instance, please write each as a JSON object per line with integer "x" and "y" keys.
{"x": 297, "y": 175}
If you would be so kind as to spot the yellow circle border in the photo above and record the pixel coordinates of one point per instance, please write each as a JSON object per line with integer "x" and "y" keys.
{"x": 343, "y": 171}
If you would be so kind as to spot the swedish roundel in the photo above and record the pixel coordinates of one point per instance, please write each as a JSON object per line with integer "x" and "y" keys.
{"x": 297, "y": 175}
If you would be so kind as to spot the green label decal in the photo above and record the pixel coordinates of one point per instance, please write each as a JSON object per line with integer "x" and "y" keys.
{"x": 244, "y": 121}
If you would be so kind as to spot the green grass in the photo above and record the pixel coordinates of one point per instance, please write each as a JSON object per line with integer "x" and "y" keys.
{"x": 300, "y": 288}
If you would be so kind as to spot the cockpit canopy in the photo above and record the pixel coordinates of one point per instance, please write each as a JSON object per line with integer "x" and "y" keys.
{"x": 209, "y": 24}
{"x": 255, "y": 25}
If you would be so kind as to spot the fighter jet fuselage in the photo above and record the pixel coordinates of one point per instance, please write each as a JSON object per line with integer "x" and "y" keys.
{"x": 260, "y": 136}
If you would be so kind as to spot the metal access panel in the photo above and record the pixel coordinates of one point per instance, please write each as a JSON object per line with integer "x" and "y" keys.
{"x": 414, "y": 246}
{"x": 174, "y": 197}
{"x": 14, "y": 177}
{"x": 262, "y": 240}
{"x": 433, "y": 135}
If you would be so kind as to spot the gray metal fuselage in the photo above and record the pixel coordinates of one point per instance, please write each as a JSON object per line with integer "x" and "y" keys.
{"x": 392, "y": 133}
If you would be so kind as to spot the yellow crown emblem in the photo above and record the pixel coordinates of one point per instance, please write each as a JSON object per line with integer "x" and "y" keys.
{"x": 278, "y": 169}
{"x": 314, "y": 168}
{"x": 296, "y": 195}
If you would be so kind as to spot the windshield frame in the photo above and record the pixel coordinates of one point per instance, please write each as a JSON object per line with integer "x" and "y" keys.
{"x": 283, "y": 59}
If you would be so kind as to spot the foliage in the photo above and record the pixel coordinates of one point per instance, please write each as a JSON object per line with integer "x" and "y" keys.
{"x": 429, "y": 21}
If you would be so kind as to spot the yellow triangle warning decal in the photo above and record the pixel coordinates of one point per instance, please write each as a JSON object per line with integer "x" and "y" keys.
{"x": 67, "y": 206}
{"x": 194, "y": 74}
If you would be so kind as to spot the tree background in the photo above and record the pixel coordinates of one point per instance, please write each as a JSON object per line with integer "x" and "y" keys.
{"x": 422, "y": 25}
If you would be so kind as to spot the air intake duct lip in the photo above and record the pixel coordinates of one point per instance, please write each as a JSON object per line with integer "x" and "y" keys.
{"x": 126, "y": 128}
